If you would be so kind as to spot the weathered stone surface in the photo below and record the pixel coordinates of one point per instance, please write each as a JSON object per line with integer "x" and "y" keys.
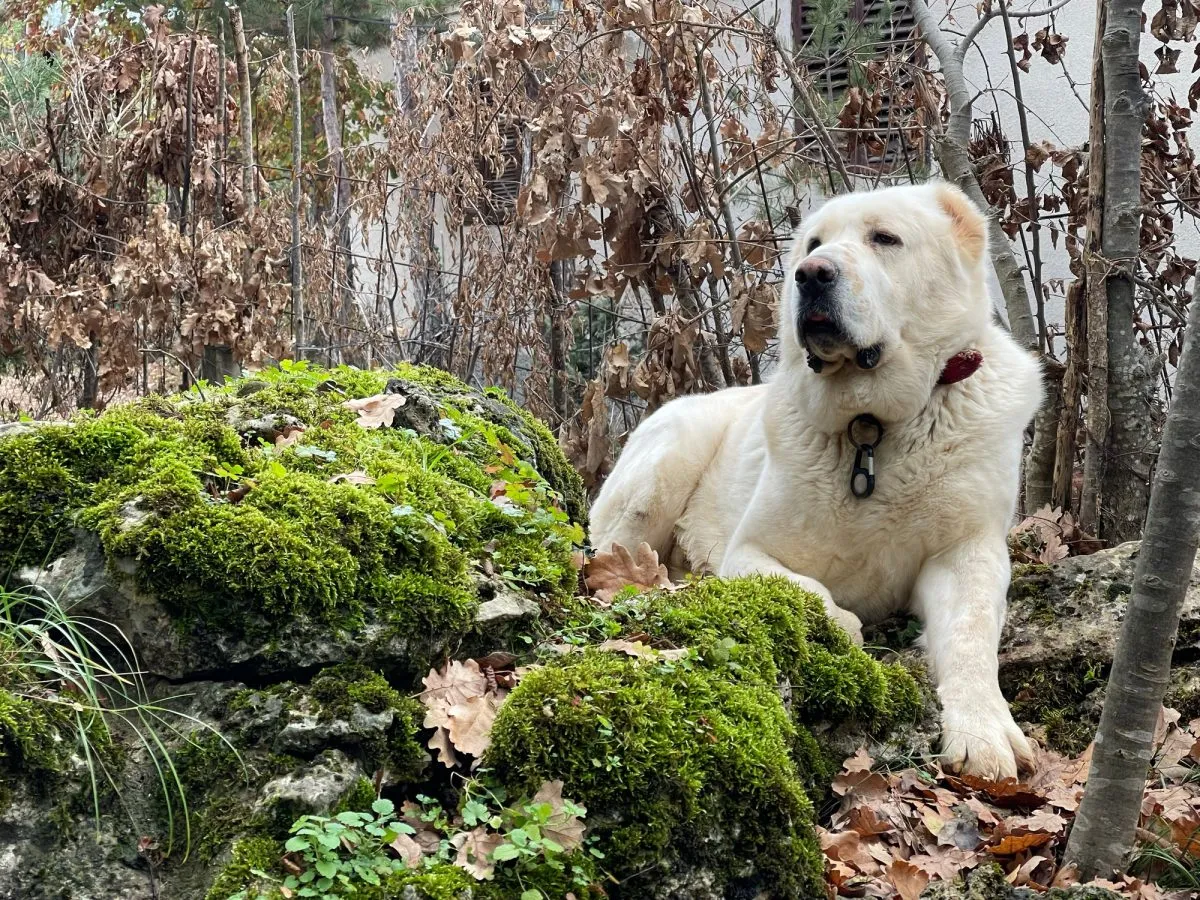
{"x": 1062, "y": 628}
{"x": 989, "y": 884}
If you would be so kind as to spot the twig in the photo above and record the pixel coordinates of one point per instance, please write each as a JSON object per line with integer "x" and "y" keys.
{"x": 186, "y": 368}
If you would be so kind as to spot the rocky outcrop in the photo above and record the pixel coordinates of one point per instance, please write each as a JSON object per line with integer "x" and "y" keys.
{"x": 286, "y": 557}
{"x": 1062, "y": 628}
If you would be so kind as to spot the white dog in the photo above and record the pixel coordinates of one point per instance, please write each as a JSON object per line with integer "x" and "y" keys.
{"x": 879, "y": 467}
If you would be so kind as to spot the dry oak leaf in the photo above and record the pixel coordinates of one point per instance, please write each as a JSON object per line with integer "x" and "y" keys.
{"x": 445, "y": 750}
{"x": 470, "y": 723}
{"x": 610, "y": 571}
{"x": 908, "y": 880}
{"x": 378, "y": 411}
{"x": 638, "y": 650}
{"x": 408, "y": 850}
{"x": 358, "y": 476}
{"x": 564, "y": 828}
{"x": 456, "y": 683}
{"x": 847, "y": 847}
{"x": 291, "y": 434}
{"x": 475, "y": 849}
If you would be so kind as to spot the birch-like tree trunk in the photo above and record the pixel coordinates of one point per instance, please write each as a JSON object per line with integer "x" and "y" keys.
{"x": 1125, "y": 487}
{"x": 1104, "y": 829}
{"x": 246, "y": 113}
{"x": 951, "y": 149}
{"x": 223, "y": 119}
{"x": 1095, "y": 444}
{"x": 343, "y": 262}
{"x": 218, "y": 361}
{"x": 298, "y": 336}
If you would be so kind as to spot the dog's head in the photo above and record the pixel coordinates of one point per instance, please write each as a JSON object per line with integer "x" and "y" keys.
{"x": 886, "y": 284}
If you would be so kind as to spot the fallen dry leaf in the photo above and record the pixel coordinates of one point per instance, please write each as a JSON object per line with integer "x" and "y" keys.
{"x": 475, "y": 849}
{"x": 642, "y": 651}
{"x": 457, "y": 682}
{"x": 470, "y": 723}
{"x": 408, "y": 850}
{"x": 908, "y": 880}
{"x": 445, "y": 749}
{"x": 356, "y": 477}
{"x": 378, "y": 411}
{"x": 611, "y": 571}
{"x": 564, "y": 828}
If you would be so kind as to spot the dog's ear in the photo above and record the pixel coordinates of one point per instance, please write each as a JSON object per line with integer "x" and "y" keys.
{"x": 967, "y": 222}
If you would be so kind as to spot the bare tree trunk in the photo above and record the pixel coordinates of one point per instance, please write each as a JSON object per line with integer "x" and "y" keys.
{"x": 735, "y": 251}
{"x": 560, "y": 282}
{"x": 340, "y": 224}
{"x": 242, "y": 52}
{"x": 223, "y": 118}
{"x": 1126, "y": 481}
{"x": 189, "y": 141}
{"x": 1039, "y": 464}
{"x": 956, "y": 166}
{"x": 218, "y": 360}
{"x": 297, "y": 148}
{"x": 1097, "y": 300}
{"x": 219, "y": 364}
{"x": 89, "y": 394}
{"x": 1072, "y": 389}
{"x": 1104, "y": 828}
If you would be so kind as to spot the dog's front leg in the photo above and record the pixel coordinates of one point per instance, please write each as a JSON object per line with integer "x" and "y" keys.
{"x": 747, "y": 558}
{"x": 961, "y": 596}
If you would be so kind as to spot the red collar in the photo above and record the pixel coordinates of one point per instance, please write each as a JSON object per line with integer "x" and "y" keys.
{"x": 961, "y": 366}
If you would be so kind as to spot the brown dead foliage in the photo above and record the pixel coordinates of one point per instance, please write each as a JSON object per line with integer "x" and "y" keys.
{"x": 895, "y": 832}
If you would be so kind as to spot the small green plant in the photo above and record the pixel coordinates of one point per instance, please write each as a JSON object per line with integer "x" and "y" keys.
{"x": 334, "y": 854}
{"x": 536, "y": 845}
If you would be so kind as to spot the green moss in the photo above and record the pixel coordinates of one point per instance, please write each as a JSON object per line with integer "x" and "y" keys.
{"x": 442, "y": 882}
{"x": 663, "y": 760}
{"x": 550, "y": 460}
{"x": 360, "y": 797}
{"x": 767, "y": 626}
{"x": 229, "y": 529}
{"x": 696, "y": 760}
{"x": 31, "y": 737}
{"x": 1055, "y": 697}
{"x": 338, "y": 690}
{"x": 252, "y": 853}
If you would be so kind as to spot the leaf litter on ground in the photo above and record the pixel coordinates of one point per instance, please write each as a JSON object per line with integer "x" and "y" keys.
{"x": 893, "y": 833}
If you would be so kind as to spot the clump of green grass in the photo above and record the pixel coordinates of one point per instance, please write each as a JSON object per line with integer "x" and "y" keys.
{"x": 71, "y": 690}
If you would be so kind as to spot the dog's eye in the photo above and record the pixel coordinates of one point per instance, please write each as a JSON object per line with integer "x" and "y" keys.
{"x": 884, "y": 239}
{"x": 813, "y": 244}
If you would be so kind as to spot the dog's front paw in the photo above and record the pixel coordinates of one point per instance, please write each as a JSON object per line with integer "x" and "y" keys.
{"x": 984, "y": 741}
{"x": 849, "y": 622}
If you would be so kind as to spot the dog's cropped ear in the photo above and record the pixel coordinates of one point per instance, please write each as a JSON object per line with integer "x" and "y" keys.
{"x": 968, "y": 224}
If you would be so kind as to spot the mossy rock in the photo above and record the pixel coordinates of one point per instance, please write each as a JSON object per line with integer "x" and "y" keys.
{"x": 1059, "y": 637}
{"x": 256, "y": 527}
{"x": 696, "y": 777}
{"x": 988, "y": 883}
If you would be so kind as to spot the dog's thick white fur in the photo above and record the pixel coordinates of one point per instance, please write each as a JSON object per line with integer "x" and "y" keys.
{"x": 757, "y": 479}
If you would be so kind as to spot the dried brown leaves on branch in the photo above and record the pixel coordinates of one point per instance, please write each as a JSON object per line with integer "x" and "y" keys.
{"x": 584, "y": 138}
{"x": 124, "y": 238}
{"x": 1048, "y": 536}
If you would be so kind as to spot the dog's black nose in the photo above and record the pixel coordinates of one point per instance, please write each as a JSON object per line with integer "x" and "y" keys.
{"x": 815, "y": 275}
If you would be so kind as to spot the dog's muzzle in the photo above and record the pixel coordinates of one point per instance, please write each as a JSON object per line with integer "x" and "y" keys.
{"x": 819, "y": 324}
